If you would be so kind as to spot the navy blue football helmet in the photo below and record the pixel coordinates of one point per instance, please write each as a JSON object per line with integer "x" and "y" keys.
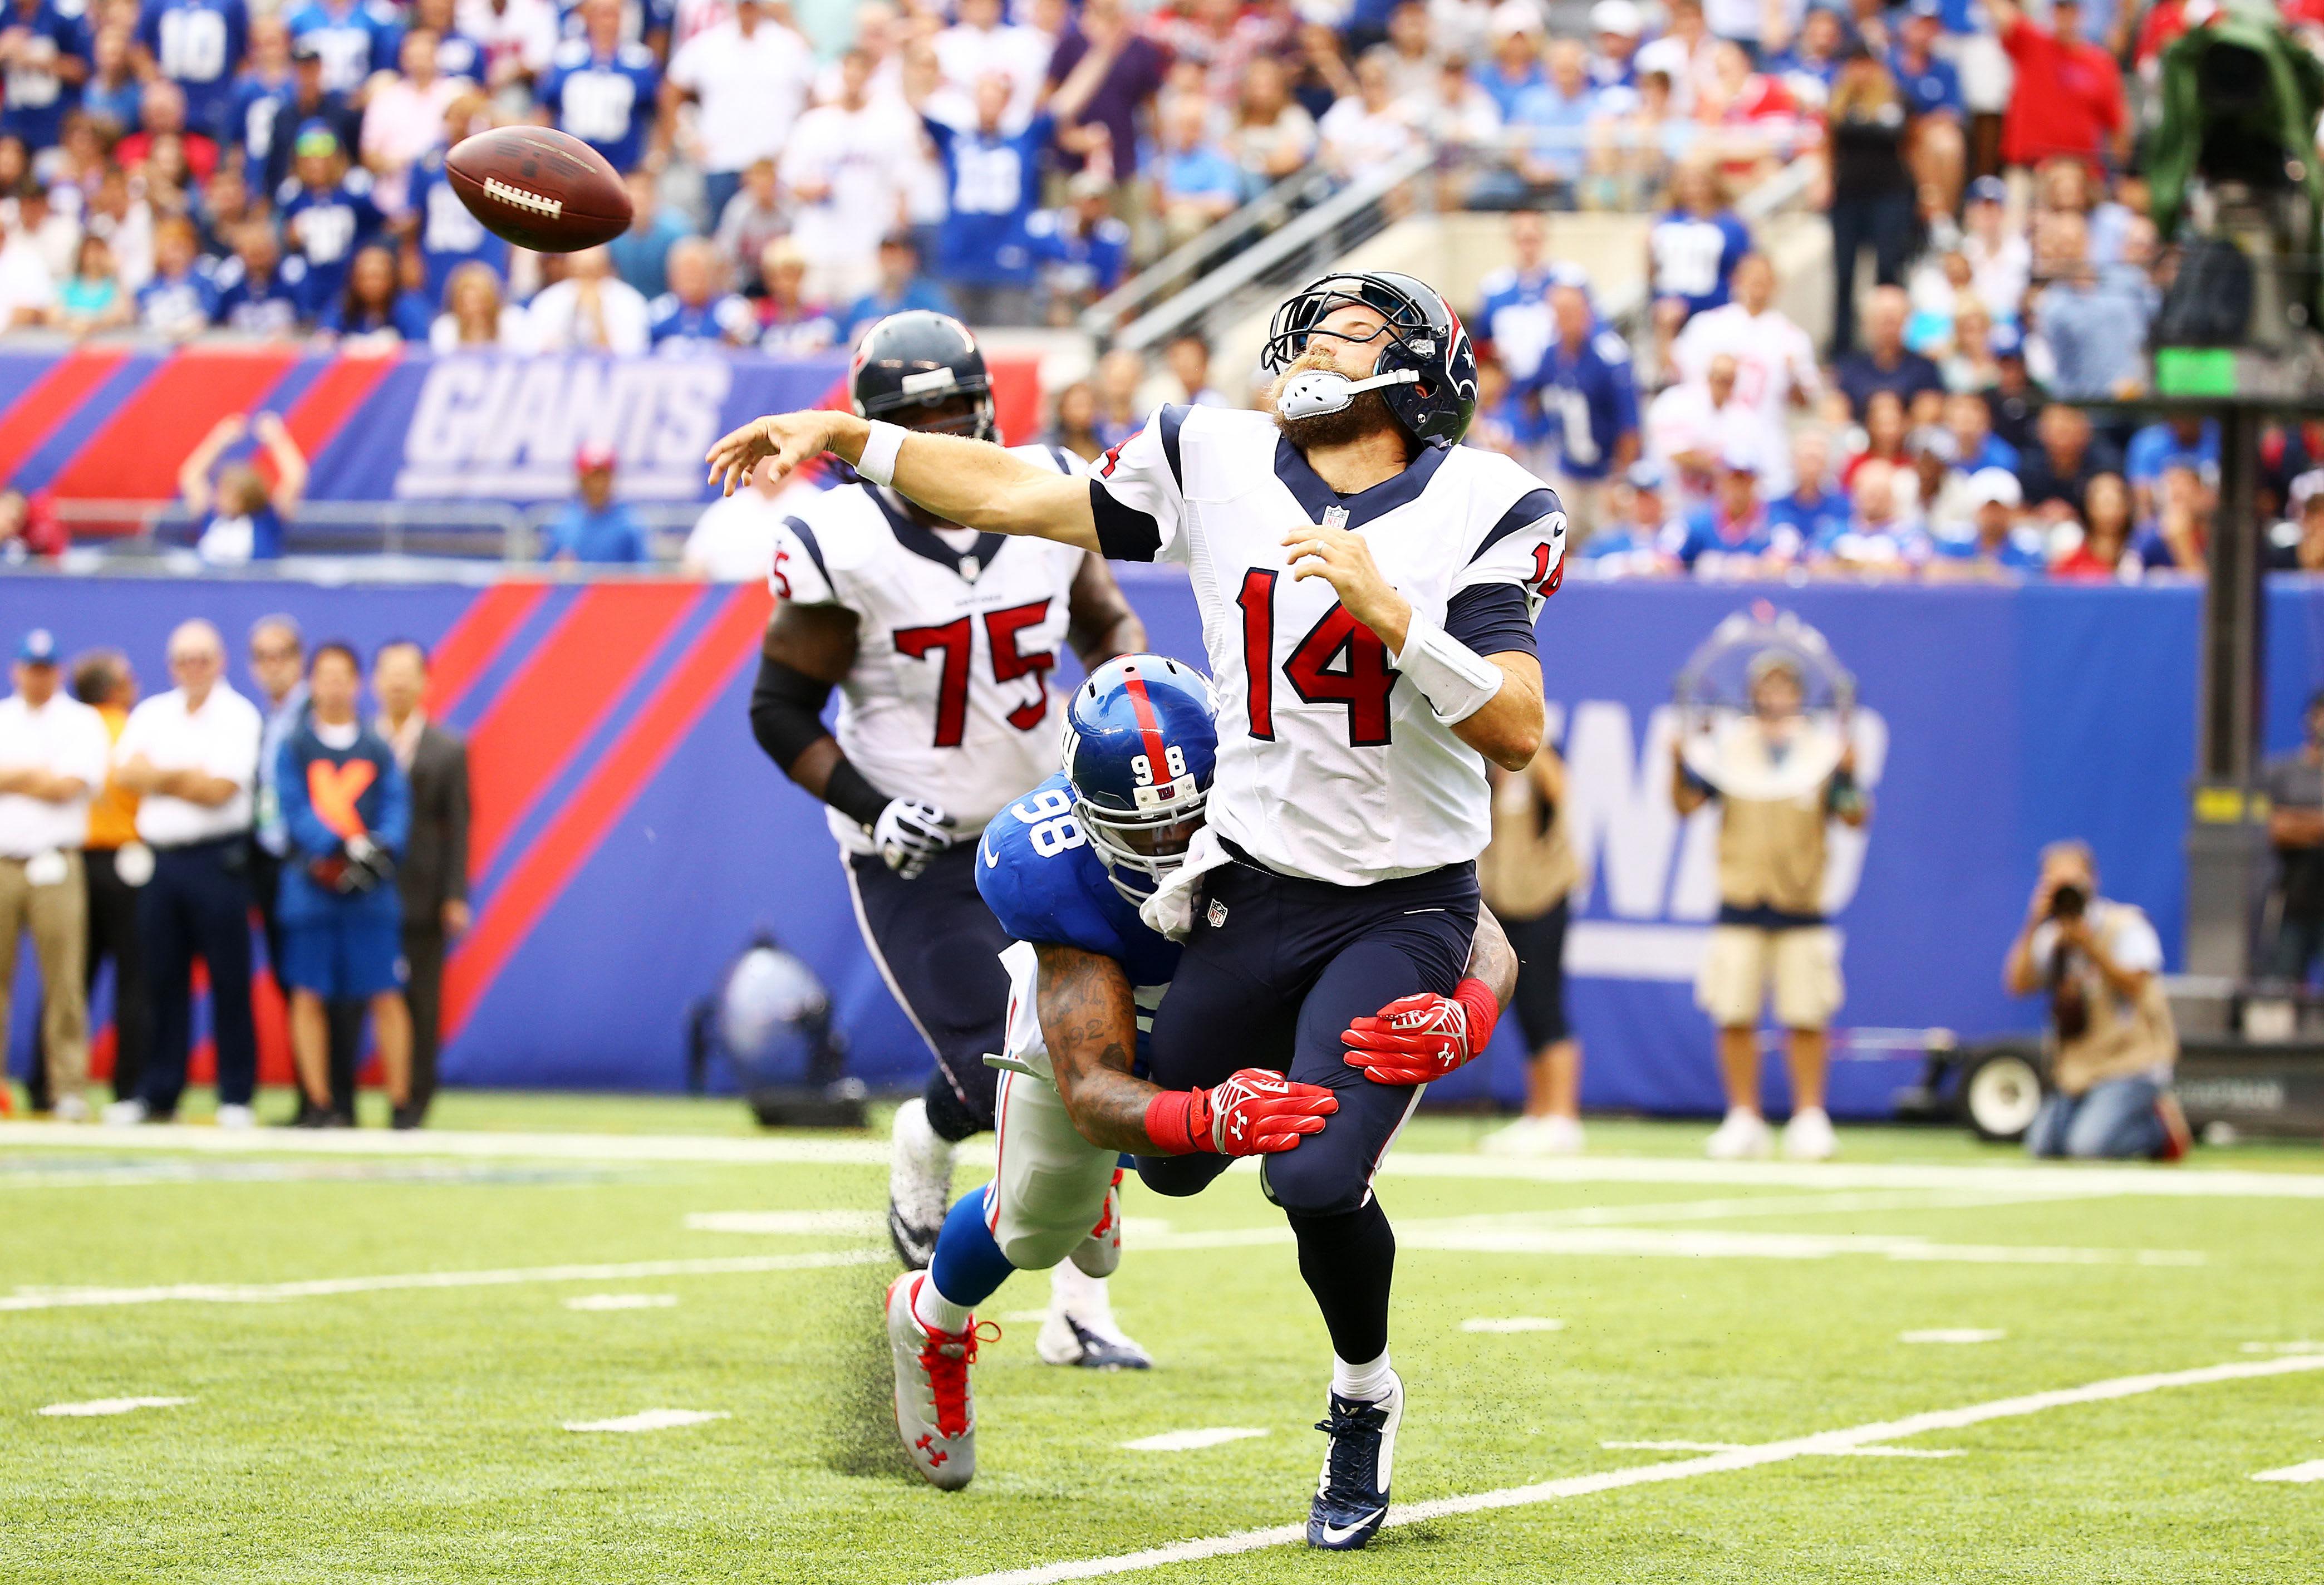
{"x": 1141, "y": 743}
{"x": 1421, "y": 334}
{"x": 910, "y": 364}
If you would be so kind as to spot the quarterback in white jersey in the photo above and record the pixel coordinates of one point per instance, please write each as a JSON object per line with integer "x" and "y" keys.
{"x": 1367, "y": 591}
{"x": 942, "y": 641}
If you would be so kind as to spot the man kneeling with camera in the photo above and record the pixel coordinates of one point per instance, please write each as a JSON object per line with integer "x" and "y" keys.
{"x": 2113, "y": 1043}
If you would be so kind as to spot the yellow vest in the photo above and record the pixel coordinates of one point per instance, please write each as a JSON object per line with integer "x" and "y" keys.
{"x": 1771, "y": 852}
{"x": 113, "y": 812}
{"x": 1529, "y": 866}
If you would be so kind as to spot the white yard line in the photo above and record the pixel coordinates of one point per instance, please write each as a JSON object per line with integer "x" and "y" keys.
{"x": 2025, "y": 1177}
{"x": 651, "y": 1420}
{"x": 1512, "y": 1324}
{"x": 1187, "y": 1441}
{"x": 1847, "y": 1439}
{"x": 1728, "y": 1447}
{"x": 2298, "y": 1474}
{"x": 325, "y": 1288}
{"x": 622, "y": 1302}
{"x": 111, "y": 1406}
{"x": 853, "y": 1224}
{"x": 1954, "y": 1335}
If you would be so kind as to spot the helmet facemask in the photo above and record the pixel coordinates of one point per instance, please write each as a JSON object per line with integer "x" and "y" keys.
{"x": 1141, "y": 850}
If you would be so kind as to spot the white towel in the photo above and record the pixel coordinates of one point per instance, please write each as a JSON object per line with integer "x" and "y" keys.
{"x": 1171, "y": 908}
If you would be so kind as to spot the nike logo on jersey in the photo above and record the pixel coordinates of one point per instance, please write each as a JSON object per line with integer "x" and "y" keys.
{"x": 1336, "y": 1534}
{"x": 991, "y": 859}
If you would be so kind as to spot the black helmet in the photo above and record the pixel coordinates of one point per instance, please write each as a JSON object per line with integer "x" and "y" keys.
{"x": 1422, "y": 334}
{"x": 910, "y": 362}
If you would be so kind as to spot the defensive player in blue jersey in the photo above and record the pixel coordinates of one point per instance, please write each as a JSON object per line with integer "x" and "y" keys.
{"x": 1065, "y": 869}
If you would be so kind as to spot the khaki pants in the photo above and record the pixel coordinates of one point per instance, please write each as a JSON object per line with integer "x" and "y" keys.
{"x": 1802, "y": 965}
{"x": 58, "y": 916}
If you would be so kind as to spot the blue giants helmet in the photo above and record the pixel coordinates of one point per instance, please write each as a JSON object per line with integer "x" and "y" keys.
{"x": 1140, "y": 746}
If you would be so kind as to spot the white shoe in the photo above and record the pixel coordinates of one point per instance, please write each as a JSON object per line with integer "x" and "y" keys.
{"x": 1081, "y": 1330}
{"x": 125, "y": 1114}
{"x": 936, "y": 1414}
{"x": 1743, "y": 1135}
{"x": 919, "y": 1185}
{"x": 236, "y": 1117}
{"x": 71, "y": 1109}
{"x": 1100, "y": 1253}
{"x": 1535, "y": 1135}
{"x": 1808, "y": 1137}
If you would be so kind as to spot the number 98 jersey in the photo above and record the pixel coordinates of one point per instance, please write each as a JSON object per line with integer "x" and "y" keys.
{"x": 949, "y": 699}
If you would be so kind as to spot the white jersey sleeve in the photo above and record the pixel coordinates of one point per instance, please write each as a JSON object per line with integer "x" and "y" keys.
{"x": 1137, "y": 493}
{"x": 797, "y": 573}
{"x": 1524, "y": 547}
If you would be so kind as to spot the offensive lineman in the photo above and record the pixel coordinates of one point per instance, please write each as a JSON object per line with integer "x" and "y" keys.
{"x": 941, "y": 639}
{"x": 1368, "y": 591}
{"x": 1065, "y": 868}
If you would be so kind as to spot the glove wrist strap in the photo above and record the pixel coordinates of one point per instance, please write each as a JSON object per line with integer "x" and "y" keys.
{"x": 1178, "y": 1121}
{"x": 1483, "y": 1008}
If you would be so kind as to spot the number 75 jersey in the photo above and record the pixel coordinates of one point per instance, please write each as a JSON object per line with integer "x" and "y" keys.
{"x": 1331, "y": 765}
{"x": 949, "y": 699}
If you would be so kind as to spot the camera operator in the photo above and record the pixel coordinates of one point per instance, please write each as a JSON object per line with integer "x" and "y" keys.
{"x": 2113, "y": 1044}
{"x": 2295, "y": 830}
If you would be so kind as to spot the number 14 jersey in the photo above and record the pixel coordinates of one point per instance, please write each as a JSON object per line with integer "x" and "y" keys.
{"x": 949, "y": 699}
{"x": 1331, "y": 765}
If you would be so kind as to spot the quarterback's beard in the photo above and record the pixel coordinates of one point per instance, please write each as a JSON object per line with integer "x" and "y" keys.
{"x": 1368, "y": 413}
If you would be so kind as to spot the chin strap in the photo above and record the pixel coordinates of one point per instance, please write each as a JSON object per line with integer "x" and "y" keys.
{"x": 1313, "y": 392}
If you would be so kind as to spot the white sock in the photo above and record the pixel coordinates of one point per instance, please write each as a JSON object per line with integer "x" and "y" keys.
{"x": 935, "y": 1311}
{"x": 1367, "y": 1383}
{"x": 1071, "y": 1288}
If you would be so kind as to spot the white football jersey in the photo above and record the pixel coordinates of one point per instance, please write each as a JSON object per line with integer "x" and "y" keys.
{"x": 949, "y": 700}
{"x": 1330, "y": 765}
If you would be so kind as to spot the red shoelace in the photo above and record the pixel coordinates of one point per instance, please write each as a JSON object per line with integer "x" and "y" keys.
{"x": 947, "y": 1359}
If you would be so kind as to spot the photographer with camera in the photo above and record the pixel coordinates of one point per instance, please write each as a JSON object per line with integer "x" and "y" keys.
{"x": 347, "y": 809}
{"x": 2113, "y": 1042}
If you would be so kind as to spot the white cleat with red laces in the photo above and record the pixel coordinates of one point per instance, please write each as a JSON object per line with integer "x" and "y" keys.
{"x": 936, "y": 1416}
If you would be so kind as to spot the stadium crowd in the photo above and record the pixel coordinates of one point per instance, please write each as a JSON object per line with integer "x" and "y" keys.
{"x": 183, "y": 166}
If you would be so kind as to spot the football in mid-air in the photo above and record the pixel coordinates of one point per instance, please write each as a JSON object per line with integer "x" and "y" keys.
{"x": 539, "y": 189}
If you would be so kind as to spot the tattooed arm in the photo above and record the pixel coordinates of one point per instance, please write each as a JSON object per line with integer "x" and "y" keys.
{"x": 1088, "y": 1021}
{"x": 1492, "y": 959}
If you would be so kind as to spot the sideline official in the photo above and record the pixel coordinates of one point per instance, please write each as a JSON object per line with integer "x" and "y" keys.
{"x": 192, "y": 756}
{"x": 434, "y": 875}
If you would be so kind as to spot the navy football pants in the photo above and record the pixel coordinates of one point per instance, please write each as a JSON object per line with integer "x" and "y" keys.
{"x": 940, "y": 947}
{"x": 1273, "y": 984}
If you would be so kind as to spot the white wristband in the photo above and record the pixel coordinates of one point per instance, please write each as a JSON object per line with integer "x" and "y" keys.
{"x": 878, "y": 463}
{"x": 1456, "y": 681}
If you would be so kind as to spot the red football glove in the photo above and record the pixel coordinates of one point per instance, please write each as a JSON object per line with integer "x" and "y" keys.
{"x": 1417, "y": 1039}
{"x": 1255, "y": 1112}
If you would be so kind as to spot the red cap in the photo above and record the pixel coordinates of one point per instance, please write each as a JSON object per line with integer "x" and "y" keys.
{"x": 593, "y": 455}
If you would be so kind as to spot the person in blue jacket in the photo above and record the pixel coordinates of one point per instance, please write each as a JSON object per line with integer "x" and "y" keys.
{"x": 346, "y": 807}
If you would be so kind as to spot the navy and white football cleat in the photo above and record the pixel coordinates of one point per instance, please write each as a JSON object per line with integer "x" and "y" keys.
{"x": 919, "y": 1185}
{"x": 1352, "y": 1496}
{"x": 1080, "y": 1330}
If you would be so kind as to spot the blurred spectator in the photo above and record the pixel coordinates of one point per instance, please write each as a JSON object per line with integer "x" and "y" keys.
{"x": 191, "y": 755}
{"x": 474, "y": 318}
{"x": 269, "y": 112}
{"x": 1119, "y": 72}
{"x": 1811, "y": 65}
{"x": 255, "y": 295}
{"x": 2299, "y": 543}
{"x": 433, "y": 878}
{"x": 1508, "y": 420}
{"x": 594, "y": 527}
{"x": 114, "y": 93}
{"x": 1884, "y": 429}
{"x": 1774, "y": 361}
{"x": 161, "y": 121}
{"x": 734, "y": 540}
{"x": 1588, "y": 396}
{"x": 2294, "y": 786}
{"x": 119, "y": 213}
{"x": 602, "y": 90}
{"x": 374, "y": 309}
{"x": 181, "y": 300}
{"x": 1074, "y": 425}
{"x": 1693, "y": 426}
{"x": 278, "y": 672}
{"x": 1683, "y": 54}
{"x": 1615, "y": 29}
{"x": 1749, "y": 120}
{"x": 55, "y": 236}
{"x": 696, "y": 310}
{"x": 243, "y": 520}
{"x": 1628, "y": 544}
{"x": 749, "y": 75}
{"x": 2057, "y": 473}
{"x": 45, "y": 52}
{"x": 30, "y": 528}
{"x": 2014, "y": 399}
{"x": 1975, "y": 444}
{"x": 641, "y": 254}
{"x": 790, "y": 325}
{"x": 27, "y": 289}
{"x": 1197, "y": 184}
{"x": 591, "y": 310}
{"x": 1458, "y": 117}
{"x": 1935, "y": 477}
{"x": 102, "y": 680}
{"x": 2185, "y": 440}
{"x": 1514, "y": 36}
{"x": 2068, "y": 94}
{"x": 91, "y": 299}
{"x": 1995, "y": 543}
{"x": 2107, "y": 524}
{"x": 1693, "y": 249}
{"x": 456, "y": 54}
{"x": 1119, "y": 413}
{"x": 2115, "y": 1045}
{"x": 993, "y": 179}
{"x": 1869, "y": 191}
{"x": 1814, "y": 511}
{"x": 353, "y": 39}
{"x": 1879, "y": 537}
{"x": 404, "y": 111}
{"x": 1513, "y": 301}
{"x": 1731, "y": 535}
{"x": 2176, "y": 536}
{"x": 1932, "y": 87}
{"x": 196, "y": 46}
{"x": 901, "y": 287}
{"x": 1886, "y": 363}
{"x": 2000, "y": 259}
{"x": 982, "y": 44}
{"x": 1081, "y": 251}
{"x": 1271, "y": 136}
{"x": 2093, "y": 320}
{"x": 752, "y": 218}
{"x": 327, "y": 212}
{"x": 54, "y": 755}
{"x": 448, "y": 234}
{"x": 1939, "y": 288}
{"x": 1525, "y": 874}
{"x": 845, "y": 169}
{"x": 518, "y": 37}
{"x": 1187, "y": 357}
{"x": 1552, "y": 121}
{"x": 1412, "y": 54}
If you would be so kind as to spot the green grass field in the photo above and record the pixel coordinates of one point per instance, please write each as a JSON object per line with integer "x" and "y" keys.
{"x": 355, "y": 1408}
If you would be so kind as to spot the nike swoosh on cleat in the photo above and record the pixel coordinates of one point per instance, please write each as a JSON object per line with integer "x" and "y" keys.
{"x": 1336, "y": 1534}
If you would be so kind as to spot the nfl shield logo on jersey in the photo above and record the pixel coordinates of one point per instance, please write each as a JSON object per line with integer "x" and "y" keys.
{"x": 1218, "y": 914}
